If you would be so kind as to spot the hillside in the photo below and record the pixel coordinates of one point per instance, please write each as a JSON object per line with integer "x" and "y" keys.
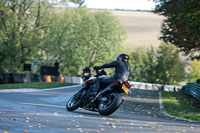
{"x": 143, "y": 27}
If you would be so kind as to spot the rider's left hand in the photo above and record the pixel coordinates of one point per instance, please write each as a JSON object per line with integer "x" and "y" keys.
{"x": 96, "y": 67}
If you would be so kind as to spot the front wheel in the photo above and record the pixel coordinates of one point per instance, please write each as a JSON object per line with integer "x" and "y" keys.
{"x": 112, "y": 103}
{"x": 74, "y": 102}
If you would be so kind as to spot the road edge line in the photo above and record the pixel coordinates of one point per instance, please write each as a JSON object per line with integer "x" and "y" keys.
{"x": 59, "y": 88}
{"x": 160, "y": 101}
{"x": 24, "y": 90}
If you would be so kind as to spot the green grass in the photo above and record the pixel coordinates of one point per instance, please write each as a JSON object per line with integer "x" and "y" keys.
{"x": 37, "y": 85}
{"x": 181, "y": 105}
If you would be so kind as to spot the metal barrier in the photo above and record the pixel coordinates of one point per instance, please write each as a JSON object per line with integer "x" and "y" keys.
{"x": 8, "y": 78}
{"x": 155, "y": 87}
{"x": 192, "y": 89}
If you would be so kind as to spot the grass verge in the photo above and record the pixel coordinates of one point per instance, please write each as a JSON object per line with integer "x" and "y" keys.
{"x": 37, "y": 85}
{"x": 181, "y": 105}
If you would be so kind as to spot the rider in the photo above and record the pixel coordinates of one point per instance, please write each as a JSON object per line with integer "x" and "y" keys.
{"x": 122, "y": 72}
{"x": 86, "y": 73}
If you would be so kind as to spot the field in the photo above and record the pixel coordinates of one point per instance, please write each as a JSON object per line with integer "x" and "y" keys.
{"x": 143, "y": 27}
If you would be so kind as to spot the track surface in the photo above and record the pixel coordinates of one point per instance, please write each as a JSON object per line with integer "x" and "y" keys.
{"x": 44, "y": 112}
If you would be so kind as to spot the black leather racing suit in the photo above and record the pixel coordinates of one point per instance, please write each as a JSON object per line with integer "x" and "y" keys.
{"x": 122, "y": 71}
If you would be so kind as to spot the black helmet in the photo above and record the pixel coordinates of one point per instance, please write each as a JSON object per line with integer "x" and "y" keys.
{"x": 123, "y": 57}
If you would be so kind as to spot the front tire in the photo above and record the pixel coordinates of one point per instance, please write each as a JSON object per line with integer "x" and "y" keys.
{"x": 111, "y": 105}
{"x": 74, "y": 102}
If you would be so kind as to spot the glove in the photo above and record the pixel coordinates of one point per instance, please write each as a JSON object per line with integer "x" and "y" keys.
{"x": 96, "y": 67}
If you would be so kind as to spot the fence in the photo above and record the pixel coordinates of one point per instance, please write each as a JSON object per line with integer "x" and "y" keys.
{"x": 24, "y": 78}
{"x": 192, "y": 89}
{"x": 156, "y": 87}
{"x": 74, "y": 80}
{"x": 7, "y": 78}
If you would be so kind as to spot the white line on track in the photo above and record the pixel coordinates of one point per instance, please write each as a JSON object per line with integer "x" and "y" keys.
{"x": 34, "y": 90}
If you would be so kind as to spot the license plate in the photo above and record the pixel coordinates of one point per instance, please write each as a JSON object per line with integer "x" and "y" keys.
{"x": 125, "y": 88}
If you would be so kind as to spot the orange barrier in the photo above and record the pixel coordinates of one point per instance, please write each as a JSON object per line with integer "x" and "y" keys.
{"x": 61, "y": 79}
{"x": 48, "y": 78}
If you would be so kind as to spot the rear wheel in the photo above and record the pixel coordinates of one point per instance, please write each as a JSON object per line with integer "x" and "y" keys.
{"x": 74, "y": 102}
{"x": 112, "y": 103}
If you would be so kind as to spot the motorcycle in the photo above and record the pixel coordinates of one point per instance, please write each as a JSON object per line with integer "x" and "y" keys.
{"x": 106, "y": 103}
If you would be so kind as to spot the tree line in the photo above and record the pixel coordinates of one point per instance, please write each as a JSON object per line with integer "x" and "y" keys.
{"x": 162, "y": 65}
{"x": 79, "y": 37}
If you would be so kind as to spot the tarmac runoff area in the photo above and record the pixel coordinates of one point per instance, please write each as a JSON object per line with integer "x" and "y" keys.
{"x": 33, "y": 111}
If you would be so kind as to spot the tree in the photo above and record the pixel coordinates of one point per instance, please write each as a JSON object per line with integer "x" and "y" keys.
{"x": 151, "y": 64}
{"x": 143, "y": 65}
{"x": 40, "y": 30}
{"x": 194, "y": 71}
{"x": 181, "y": 26}
{"x": 79, "y": 2}
{"x": 169, "y": 69}
{"x": 162, "y": 65}
{"x": 138, "y": 65}
{"x": 21, "y": 28}
{"x": 80, "y": 37}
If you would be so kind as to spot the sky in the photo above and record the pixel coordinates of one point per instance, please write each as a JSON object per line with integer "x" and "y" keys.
{"x": 121, "y": 4}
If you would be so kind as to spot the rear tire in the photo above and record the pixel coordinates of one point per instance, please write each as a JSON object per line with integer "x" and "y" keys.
{"x": 111, "y": 105}
{"x": 74, "y": 102}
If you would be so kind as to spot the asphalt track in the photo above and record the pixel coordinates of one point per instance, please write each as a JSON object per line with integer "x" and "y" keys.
{"x": 44, "y": 112}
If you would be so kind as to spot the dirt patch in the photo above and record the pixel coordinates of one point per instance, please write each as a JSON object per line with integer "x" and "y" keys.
{"x": 142, "y": 101}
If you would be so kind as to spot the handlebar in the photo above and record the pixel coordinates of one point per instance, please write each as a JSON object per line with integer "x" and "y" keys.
{"x": 97, "y": 72}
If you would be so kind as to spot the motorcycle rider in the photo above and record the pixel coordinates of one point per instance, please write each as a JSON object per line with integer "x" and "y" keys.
{"x": 122, "y": 73}
{"x": 86, "y": 73}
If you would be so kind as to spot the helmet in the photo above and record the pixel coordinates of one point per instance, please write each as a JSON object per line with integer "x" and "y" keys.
{"x": 123, "y": 57}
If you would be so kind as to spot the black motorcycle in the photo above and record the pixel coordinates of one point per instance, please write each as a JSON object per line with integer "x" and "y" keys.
{"x": 89, "y": 98}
